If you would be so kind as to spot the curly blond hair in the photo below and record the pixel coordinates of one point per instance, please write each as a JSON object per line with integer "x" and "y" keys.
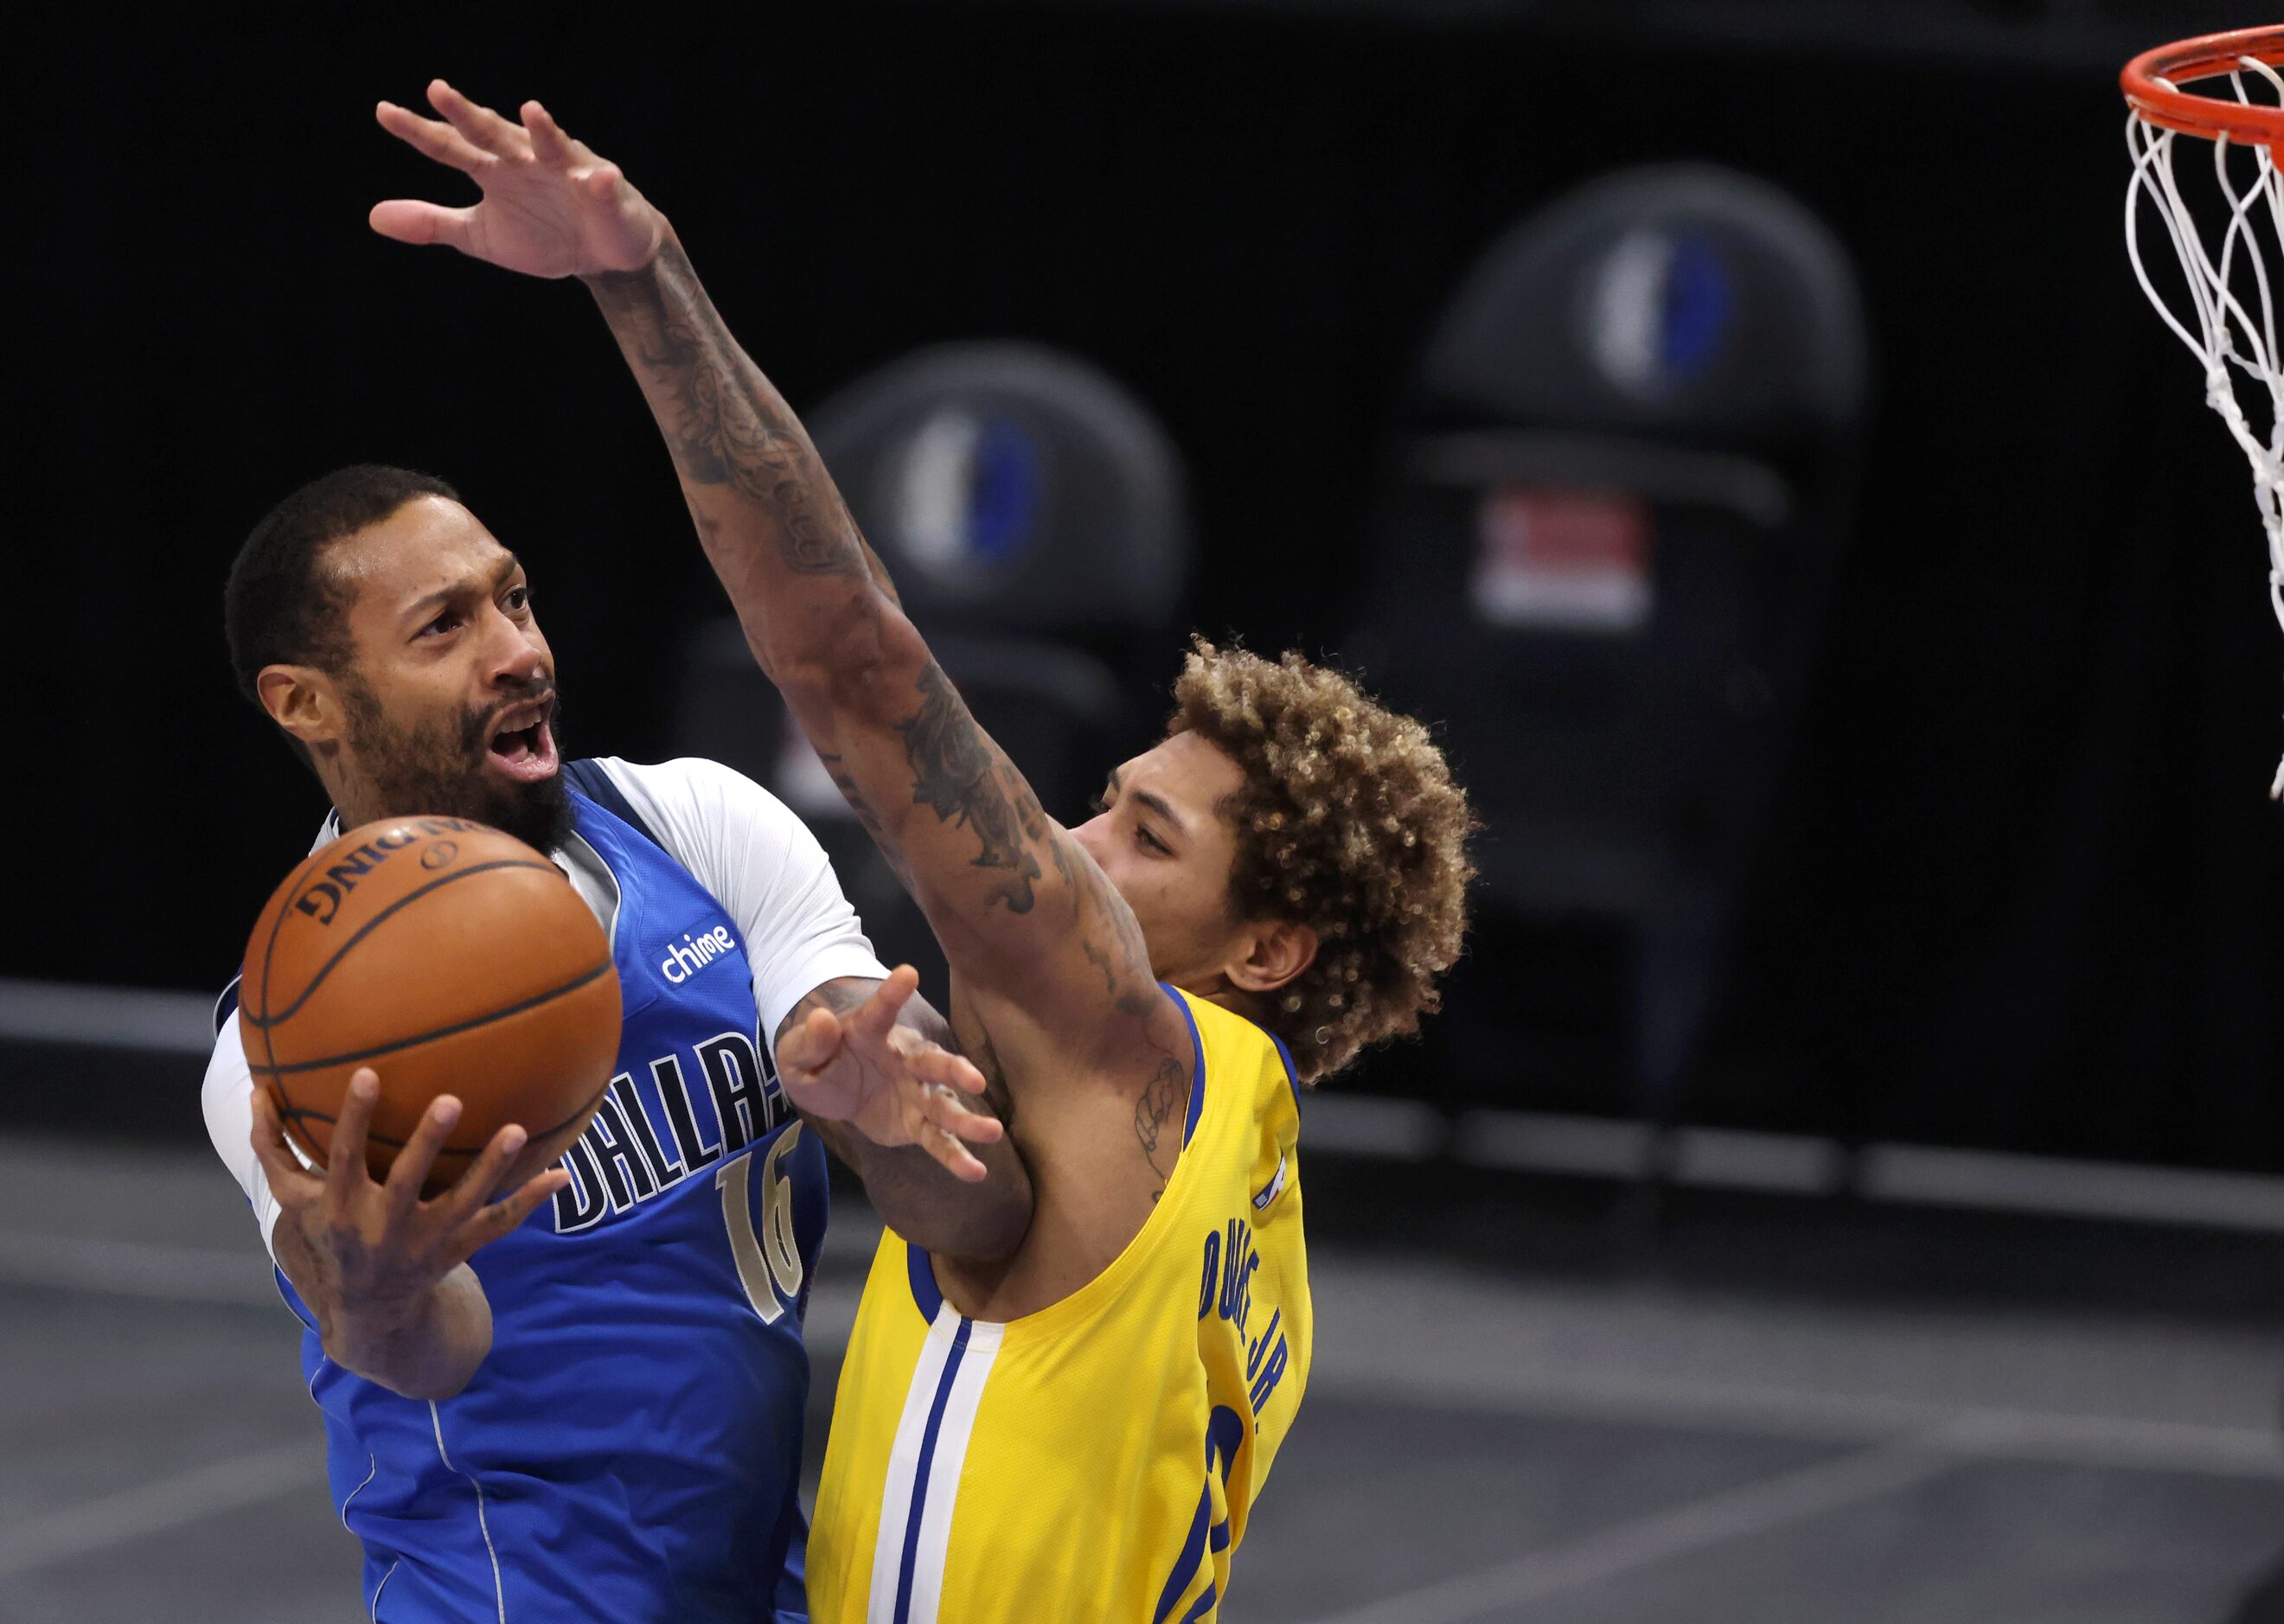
{"x": 1347, "y": 822}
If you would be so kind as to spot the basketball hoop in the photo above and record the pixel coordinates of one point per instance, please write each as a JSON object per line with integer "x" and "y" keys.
{"x": 2229, "y": 322}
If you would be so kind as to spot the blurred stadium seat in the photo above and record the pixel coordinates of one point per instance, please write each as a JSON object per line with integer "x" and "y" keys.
{"x": 1031, "y": 512}
{"x": 1621, "y": 479}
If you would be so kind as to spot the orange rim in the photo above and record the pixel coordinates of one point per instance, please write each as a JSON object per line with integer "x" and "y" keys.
{"x": 2208, "y": 116}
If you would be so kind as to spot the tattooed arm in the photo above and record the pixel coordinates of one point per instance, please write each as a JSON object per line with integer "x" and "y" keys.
{"x": 1019, "y": 908}
{"x": 1042, "y": 948}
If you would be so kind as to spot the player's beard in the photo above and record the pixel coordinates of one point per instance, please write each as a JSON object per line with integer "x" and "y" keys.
{"x": 437, "y": 768}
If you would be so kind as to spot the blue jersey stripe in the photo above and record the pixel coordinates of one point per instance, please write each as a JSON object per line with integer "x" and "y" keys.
{"x": 920, "y": 1474}
{"x": 1197, "y": 1073}
{"x": 927, "y": 1295}
{"x": 1292, "y": 1072}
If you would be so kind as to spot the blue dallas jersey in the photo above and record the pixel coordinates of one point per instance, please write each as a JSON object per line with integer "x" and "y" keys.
{"x": 630, "y": 1448}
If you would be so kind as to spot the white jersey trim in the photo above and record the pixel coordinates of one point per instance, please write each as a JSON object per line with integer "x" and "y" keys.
{"x": 373, "y": 1612}
{"x": 925, "y": 1466}
{"x": 368, "y": 1476}
{"x": 483, "y": 1524}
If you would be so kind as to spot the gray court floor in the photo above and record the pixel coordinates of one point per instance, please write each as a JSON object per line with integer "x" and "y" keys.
{"x": 1507, "y": 1420}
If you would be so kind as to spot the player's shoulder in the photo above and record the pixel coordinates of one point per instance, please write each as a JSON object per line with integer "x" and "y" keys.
{"x": 700, "y": 809}
{"x": 1239, "y": 1052}
{"x": 694, "y": 782}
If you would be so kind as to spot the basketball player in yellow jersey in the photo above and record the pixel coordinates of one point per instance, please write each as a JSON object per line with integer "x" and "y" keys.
{"x": 1077, "y": 1433}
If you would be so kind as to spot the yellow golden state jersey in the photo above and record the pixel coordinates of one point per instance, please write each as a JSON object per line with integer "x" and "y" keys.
{"x": 1096, "y": 1460}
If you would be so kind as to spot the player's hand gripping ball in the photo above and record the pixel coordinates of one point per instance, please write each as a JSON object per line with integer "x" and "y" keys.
{"x": 452, "y": 959}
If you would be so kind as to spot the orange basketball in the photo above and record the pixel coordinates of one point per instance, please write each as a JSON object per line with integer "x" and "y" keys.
{"x": 452, "y": 959}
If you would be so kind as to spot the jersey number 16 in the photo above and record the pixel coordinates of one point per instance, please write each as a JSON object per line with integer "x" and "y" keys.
{"x": 771, "y": 1259}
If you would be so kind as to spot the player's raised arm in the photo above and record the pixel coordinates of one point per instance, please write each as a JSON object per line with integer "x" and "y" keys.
{"x": 1028, "y": 921}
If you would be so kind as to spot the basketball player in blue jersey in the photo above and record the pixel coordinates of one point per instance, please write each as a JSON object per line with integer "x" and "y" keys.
{"x": 582, "y": 1400}
{"x": 1077, "y": 1431}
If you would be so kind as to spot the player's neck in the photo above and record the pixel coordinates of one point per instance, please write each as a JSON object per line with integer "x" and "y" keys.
{"x": 1222, "y": 991}
{"x": 353, "y": 803}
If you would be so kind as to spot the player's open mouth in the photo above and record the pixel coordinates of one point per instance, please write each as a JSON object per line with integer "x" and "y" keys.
{"x": 523, "y": 744}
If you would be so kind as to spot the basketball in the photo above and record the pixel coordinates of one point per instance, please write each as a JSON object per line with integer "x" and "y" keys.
{"x": 452, "y": 959}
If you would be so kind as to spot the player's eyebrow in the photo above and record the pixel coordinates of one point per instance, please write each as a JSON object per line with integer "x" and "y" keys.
{"x": 1154, "y": 803}
{"x": 420, "y": 608}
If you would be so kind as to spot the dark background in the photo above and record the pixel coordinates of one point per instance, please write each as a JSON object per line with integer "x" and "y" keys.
{"x": 2026, "y": 888}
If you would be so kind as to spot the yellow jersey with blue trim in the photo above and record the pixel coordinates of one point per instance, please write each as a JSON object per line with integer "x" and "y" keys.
{"x": 1098, "y": 1459}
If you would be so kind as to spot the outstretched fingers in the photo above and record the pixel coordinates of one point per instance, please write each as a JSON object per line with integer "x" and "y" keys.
{"x": 504, "y": 1215}
{"x": 934, "y": 1111}
{"x": 475, "y": 1186}
{"x": 941, "y": 1134}
{"x": 931, "y": 1063}
{"x": 942, "y": 1110}
{"x": 874, "y": 1018}
{"x": 409, "y": 1171}
{"x": 432, "y": 138}
{"x": 549, "y": 144}
{"x": 481, "y": 126}
{"x": 811, "y": 1043}
{"x": 345, "y": 1168}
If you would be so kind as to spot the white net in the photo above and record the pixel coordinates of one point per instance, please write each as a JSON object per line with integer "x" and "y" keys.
{"x": 2225, "y": 309}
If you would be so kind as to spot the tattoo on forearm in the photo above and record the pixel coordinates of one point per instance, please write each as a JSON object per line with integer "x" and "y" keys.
{"x": 728, "y": 427}
{"x": 1109, "y": 938}
{"x": 853, "y": 792}
{"x": 724, "y": 422}
{"x": 1028, "y": 810}
{"x": 953, "y": 777}
{"x": 1161, "y": 1103}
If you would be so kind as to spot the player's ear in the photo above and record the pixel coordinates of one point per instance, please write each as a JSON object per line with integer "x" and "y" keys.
{"x": 1276, "y": 951}
{"x": 303, "y": 701}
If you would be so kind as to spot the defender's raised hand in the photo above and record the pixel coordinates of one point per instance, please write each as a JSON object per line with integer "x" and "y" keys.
{"x": 549, "y": 206}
